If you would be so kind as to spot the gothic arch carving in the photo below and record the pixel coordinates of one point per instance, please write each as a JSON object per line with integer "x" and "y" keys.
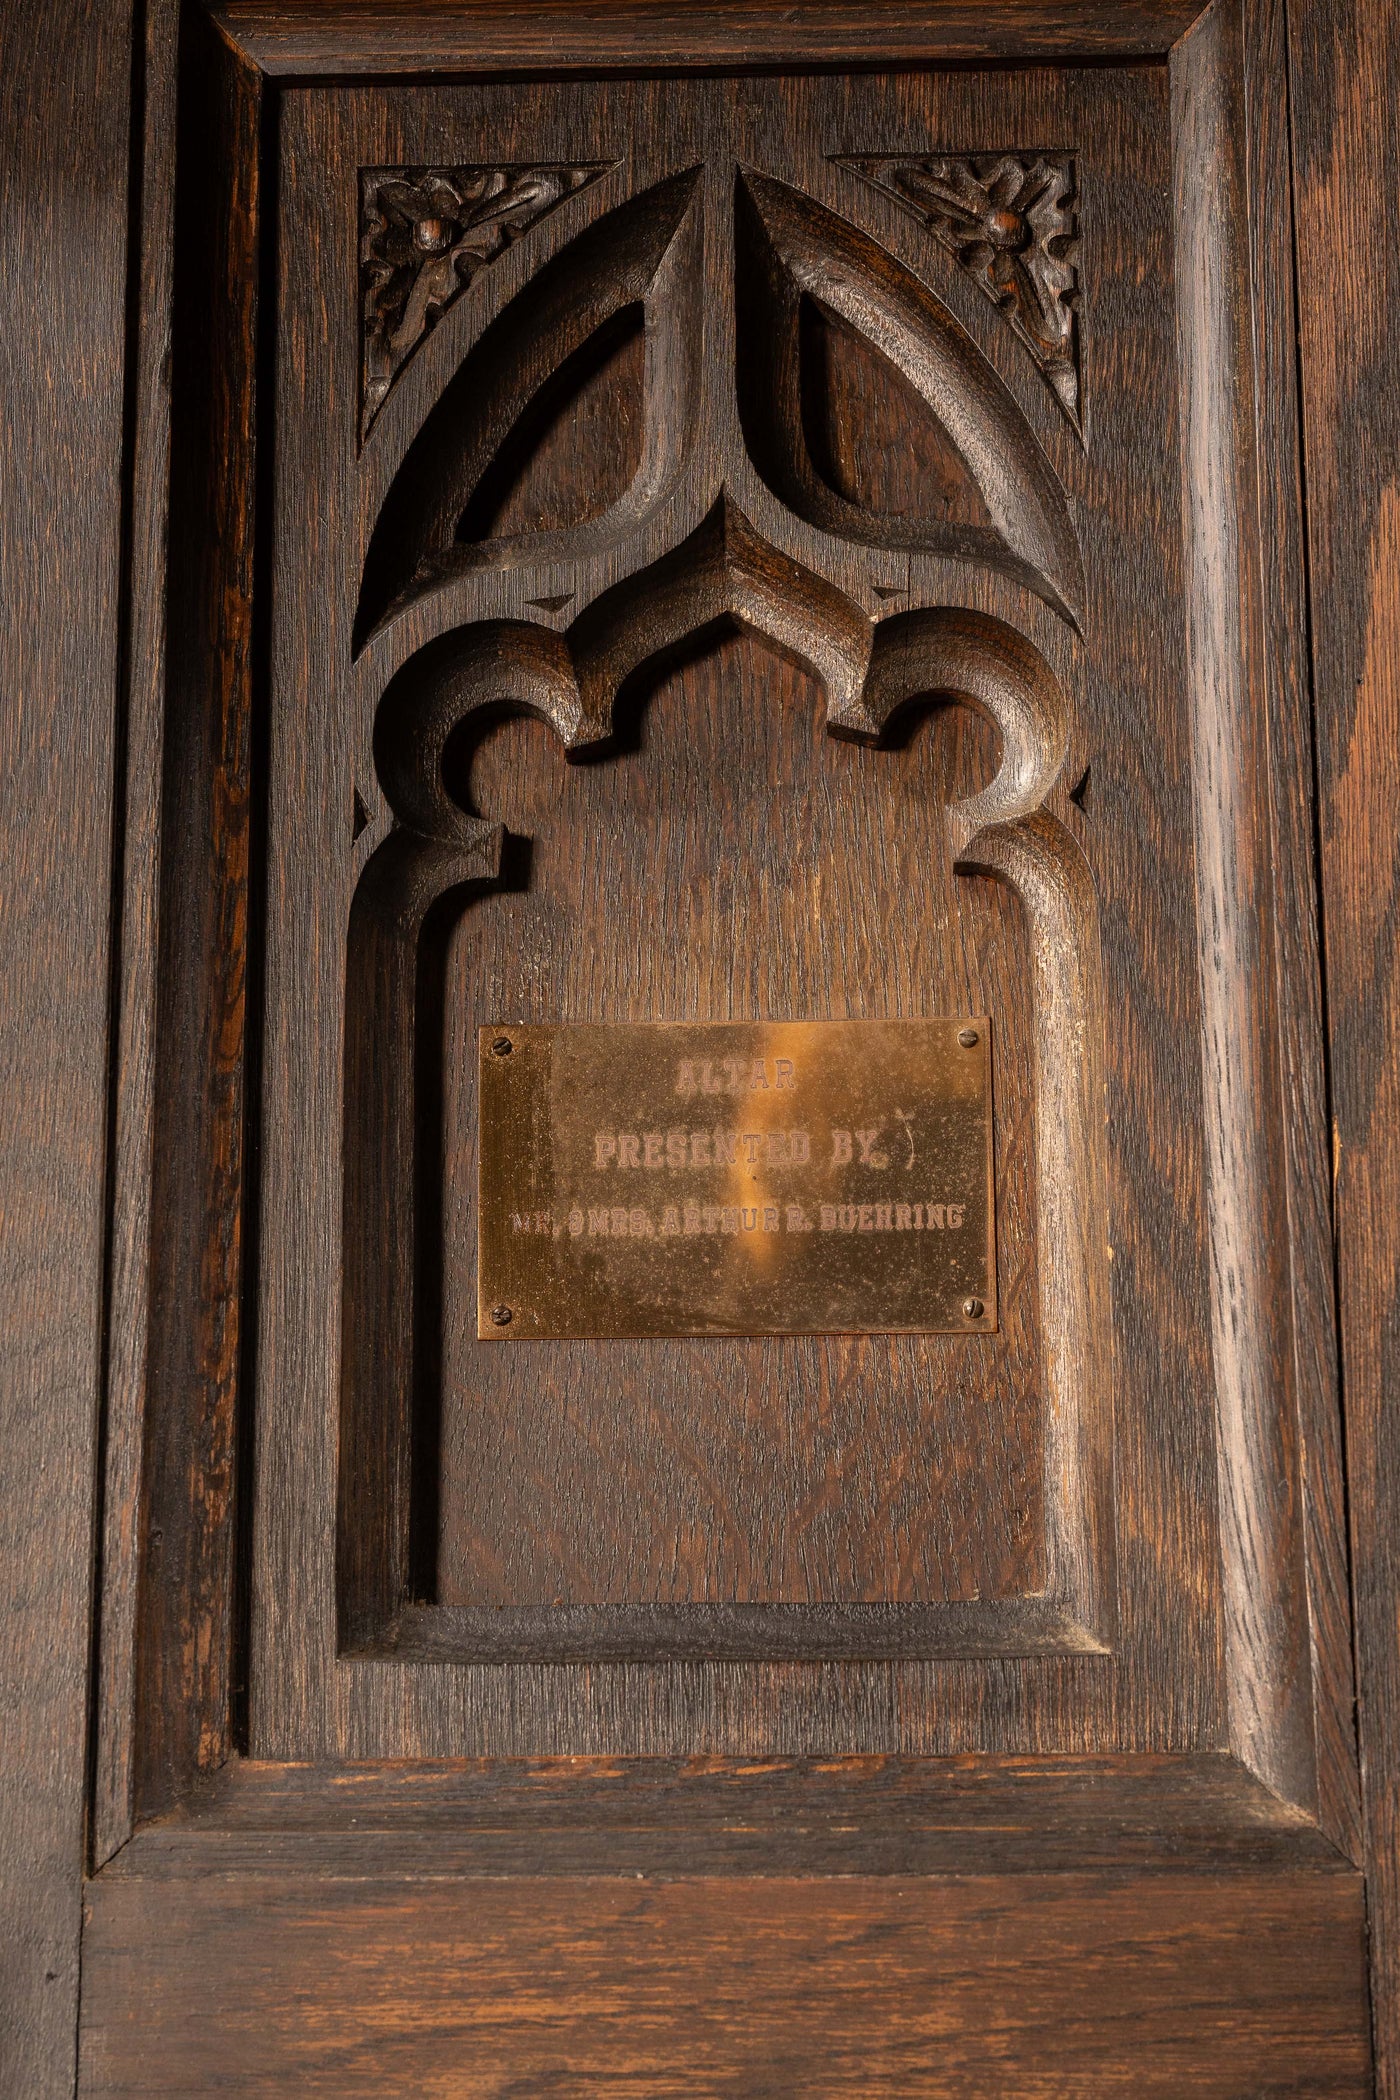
{"x": 1011, "y": 223}
{"x": 715, "y": 339}
{"x": 642, "y": 254}
{"x": 796, "y": 249}
{"x": 425, "y": 235}
{"x": 740, "y": 531}
{"x": 439, "y": 847}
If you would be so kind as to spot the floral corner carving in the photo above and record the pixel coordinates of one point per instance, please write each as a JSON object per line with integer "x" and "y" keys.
{"x": 425, "y": 234}
{"x": 1011, "y": 222}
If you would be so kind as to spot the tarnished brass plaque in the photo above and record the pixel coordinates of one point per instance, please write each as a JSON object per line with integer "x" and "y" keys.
{"x": 764, "y": 1177}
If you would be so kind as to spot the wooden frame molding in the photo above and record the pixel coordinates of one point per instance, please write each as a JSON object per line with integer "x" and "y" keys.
{"x": 1346, "y": 144}
{"x": 138, "y": 735}
{"x": 296, "y": 42}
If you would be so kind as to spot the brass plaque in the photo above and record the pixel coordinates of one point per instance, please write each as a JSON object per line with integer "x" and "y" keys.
{"x": 750, "y": 1177}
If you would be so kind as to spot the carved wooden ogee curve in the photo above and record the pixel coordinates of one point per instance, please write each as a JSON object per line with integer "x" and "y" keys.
{"x": 708, "y": 534}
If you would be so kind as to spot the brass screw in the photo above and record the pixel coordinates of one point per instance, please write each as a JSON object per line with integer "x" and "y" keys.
{"x": 502, "y": 1046}
{"x": 973, "y": 1308}
{"x": 502, "y": 1315}
{"x": 968, "y": 1038}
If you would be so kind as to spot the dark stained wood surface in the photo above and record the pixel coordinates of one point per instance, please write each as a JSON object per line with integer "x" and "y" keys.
{"x": 134, "y": 1094}
{"x": 1156, "y": 1923}
{"x": 406, "y": 36}
{"x": 1130, "y": 1984}
{"x": 1347, "y": 153}
{"x": 698, "y": 1815}
{"x": 1282, "y": 645}
{"x": 64, "y": 77}
{"x": 835, "y": 1469}
{"x": 1135, "y": 829}
{"x": 186, "y": 1550}
{"x": 1270, "y": 1698}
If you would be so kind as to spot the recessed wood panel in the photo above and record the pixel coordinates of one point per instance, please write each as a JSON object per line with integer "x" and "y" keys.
{"x": 858, "y": 696}
{"x": 799, "y": 1470}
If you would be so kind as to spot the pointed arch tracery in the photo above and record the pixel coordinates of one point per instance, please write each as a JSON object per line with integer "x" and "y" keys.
{"x": 684, "y": 555}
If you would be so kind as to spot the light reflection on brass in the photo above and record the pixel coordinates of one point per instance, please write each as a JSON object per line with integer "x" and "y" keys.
{"x": 745, "y": 1177}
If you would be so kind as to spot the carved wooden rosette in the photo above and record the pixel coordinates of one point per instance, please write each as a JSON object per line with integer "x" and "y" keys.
{"x": 746, "y": 529}
{"x": 425, "y": 233}
{"x": 1011, "y": 222}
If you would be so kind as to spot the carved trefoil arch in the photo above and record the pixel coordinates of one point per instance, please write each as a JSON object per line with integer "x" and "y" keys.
{"x": 731, "y": 518}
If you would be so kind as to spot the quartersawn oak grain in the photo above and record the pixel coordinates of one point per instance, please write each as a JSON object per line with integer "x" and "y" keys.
{"x": 704, "y": 1816}
{"x": 138, "y": 892}
{"x": 538, "y": 952}
{"x": 935, "y": 1988}
{"x": 407, "y": 36}
{"x": 1244, "y": 1969}
{"x": 1347, "y": 148}
{"x": 64, "y": 138}
{"x": 185, "y": 1597}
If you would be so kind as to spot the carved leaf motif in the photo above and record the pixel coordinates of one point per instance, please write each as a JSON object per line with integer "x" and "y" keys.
{"x": 425, "y": 233}
{"x": 1010, "y": 220}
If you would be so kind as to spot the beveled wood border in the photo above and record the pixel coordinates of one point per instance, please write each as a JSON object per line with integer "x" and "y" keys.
{"x": 294, "y": 40}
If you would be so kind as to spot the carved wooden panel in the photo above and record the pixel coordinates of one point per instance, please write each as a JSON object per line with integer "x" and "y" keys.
{"x": 672, "y": 524}
{"x": 727, "y": 566}
{"x": 723, "y": 620}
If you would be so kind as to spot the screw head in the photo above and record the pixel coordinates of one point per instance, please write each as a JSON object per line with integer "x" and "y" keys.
{"x": 973, "y": 1308}
{"x": 502, "y": 1046}
{"x": 967, "y": 1037}
{"x": 502, "y": 1315}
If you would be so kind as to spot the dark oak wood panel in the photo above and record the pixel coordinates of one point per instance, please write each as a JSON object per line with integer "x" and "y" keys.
{"x": 1301, "y": 1040}
{"x": 576, "y": 127}
{"x": 185, "y": 1595}
{"x": 706, "y": 1474}
{"x": 399, "y": 36}
{"x": 912, "y": 1988}
{"x": 948, "y": 564}
{"x": 1262, "y": 1540}
{"x": 137, "y": 905}
{"x": 64, "y": 134}
{"x": 1348, "y": 161}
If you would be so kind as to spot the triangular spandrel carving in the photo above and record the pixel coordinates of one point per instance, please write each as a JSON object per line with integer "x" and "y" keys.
{"x": 425, "y": 234}
{"x": 1011, "y": 222}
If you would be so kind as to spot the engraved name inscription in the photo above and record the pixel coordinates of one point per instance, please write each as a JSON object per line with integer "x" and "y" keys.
{"x": 691, "y": 1217}
{"x": 841, "y": 1136}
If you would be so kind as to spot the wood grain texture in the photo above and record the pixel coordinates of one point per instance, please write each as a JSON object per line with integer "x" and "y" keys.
{"x": 187, "y": 1546}
{"x": 137, "y": 902}
{"x": 917, "y": 1473}
{"x": 1282, "y": 645}
{"x": 1266, "y": 1628}
{"x": 1153, "y": 1922}
{"x": 407, "y": 36}
{"x": 1129, "y": 1984}
{"x": 1347, "y": 158}
{"x": 625, "y": 1816}
{"x": 64, "y": 141}
{"x": 1140, "y": 827}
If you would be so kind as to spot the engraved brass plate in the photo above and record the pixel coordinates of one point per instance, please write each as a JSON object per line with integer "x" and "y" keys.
{"x": 765, "y": 1177}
